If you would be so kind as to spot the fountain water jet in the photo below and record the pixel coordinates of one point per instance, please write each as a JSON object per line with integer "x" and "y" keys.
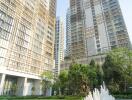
{"x": 103, "y": 94}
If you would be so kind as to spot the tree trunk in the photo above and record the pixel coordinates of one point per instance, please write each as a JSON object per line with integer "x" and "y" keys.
{"x": 125, "y": 86}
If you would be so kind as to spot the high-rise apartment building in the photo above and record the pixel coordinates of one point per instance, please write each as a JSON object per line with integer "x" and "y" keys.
{"x": 27, "y": 30}
{"x": 77, "y": 29}
{"x": 97, "y": 26}
{"x": 68, "y": 34}
{"x": 59, "y": 44}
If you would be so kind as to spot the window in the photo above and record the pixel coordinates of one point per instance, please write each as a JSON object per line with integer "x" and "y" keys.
{"x": 2, "y": 52}
{"x": 9, "y": 19}
{"x": 1, "y": 60}
{"x": 4, "y": 35}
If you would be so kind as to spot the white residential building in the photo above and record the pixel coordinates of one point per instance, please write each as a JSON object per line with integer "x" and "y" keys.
{"x": 59, "y": 44}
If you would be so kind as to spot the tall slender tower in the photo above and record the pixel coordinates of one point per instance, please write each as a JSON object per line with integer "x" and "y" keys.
{"x": 68, "y": 34}
{"x": 97, "y": 26}
{"x": 59, "y": 44}
{"x": 27, "y": 30}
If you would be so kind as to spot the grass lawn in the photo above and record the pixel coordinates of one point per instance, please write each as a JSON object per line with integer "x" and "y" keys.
{"x": 41, "y": 98}
{"x": 35, "y": 99}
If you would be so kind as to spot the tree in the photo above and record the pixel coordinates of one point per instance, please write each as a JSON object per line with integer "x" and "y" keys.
{"x": 47, "y": 77}
{"x": 78, "y": 80}
{"x": 61, "y": 84}
{"x": 92, "y": 63}
{"x": 46, "y": 84}
{"x": 92, "y": 75}
{"x": 100, "y": 75}
{"x": 95, "y": 75}
{"x": 63, "y": 78}
{"x": 117, "y": 68}
{"x": 56, "y": 87}
{"x": 47, "y": 74}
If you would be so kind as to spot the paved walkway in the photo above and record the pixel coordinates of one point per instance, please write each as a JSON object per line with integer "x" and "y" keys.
{"x": 123, "y": 99}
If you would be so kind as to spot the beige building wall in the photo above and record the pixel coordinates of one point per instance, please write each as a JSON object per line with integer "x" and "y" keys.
{"x": 27, "y": 35}
{"x": 27, "y": 30}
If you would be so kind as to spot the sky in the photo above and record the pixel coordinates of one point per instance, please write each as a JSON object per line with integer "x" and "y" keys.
{"x": 126, "y": 6}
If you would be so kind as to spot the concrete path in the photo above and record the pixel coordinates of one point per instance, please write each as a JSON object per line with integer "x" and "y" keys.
{"x": 123, "y": 99}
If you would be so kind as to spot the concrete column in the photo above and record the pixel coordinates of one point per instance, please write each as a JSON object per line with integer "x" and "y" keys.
{"x": 25, "y": 89}
{"x": 2, "y": 81}
{"x": 38, "y": 87}
{"x": 22, "y": 86}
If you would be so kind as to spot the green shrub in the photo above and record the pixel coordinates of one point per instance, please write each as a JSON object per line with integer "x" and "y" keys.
{"x": 121, "y": 96}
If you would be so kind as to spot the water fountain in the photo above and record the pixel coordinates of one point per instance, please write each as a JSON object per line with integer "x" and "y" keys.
{"x": 103, "y": 94}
